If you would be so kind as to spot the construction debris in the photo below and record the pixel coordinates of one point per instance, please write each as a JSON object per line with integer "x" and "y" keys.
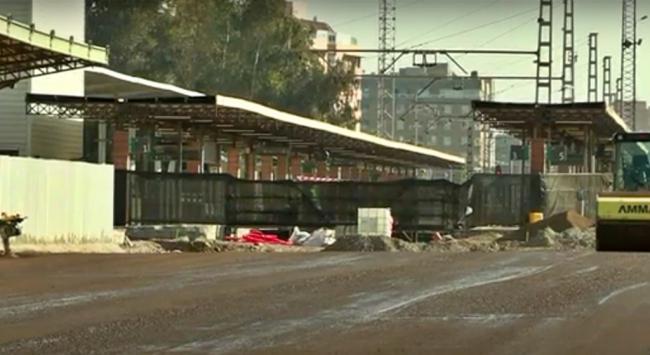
{"x": 319, "y": 238}
{"x": 546, "y": 232}
{"x": 561, "y": 222}
{"x": 573, "y": 238}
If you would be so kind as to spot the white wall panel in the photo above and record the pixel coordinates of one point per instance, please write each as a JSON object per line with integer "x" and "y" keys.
{"x": 65, "y": 202}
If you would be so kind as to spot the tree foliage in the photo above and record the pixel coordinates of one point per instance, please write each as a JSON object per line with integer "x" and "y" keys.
{"x": 245, "y": 48}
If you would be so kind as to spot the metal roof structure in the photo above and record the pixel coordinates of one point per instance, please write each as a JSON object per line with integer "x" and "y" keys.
{"x": 571, "y": 118}
{"x": 131, "y": 101}
{"x": 105, "y": 83}
{"x": 26, "y": 52}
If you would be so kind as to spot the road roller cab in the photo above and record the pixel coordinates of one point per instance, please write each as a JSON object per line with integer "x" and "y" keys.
{"x": 623, "y": 218}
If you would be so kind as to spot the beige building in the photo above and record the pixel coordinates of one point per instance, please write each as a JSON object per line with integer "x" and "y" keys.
{"x": 326, "y": 38}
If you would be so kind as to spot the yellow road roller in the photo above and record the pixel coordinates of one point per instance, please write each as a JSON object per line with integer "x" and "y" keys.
{"x": 623, "y": 218}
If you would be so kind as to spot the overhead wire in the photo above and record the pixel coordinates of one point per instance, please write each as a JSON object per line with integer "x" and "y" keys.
{"x": 518, "y": 85}
{"x": 455, "y": 34}
{"x": 507, "y": 32}
{"x": 476, "y": 28}
{"x": 373, "y": 14}
{"x": 453, "y": 20}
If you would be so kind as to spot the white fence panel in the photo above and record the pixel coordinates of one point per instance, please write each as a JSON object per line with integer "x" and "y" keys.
{"x": 65, "y": 202}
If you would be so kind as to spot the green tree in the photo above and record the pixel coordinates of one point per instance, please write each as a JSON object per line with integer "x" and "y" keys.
{"x": 246, "y": 48}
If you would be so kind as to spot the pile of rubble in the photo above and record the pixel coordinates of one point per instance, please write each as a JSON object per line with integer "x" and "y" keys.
{"x": 573, "y": 238}
{"x": 568, "y": 230}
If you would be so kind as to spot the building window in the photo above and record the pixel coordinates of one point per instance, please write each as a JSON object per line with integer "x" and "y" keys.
{"x": 447, "y": 109}
{"x": 434, "y": 140}
{"x": 447, "y": 125}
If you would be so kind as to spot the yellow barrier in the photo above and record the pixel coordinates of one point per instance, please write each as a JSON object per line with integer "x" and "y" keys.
{"x": 535, "y": 217}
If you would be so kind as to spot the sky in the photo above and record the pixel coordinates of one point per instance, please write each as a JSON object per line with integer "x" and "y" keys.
{"x": 494, "y": 24}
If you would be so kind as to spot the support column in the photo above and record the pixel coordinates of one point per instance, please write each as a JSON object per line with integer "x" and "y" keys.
{"x": 321, "y": 169}
{"x": 267, "y": 167}
{"x": 537, "y": 154}
{"x": 179, "y": 168}
{"x": 589, "y": 151}
{"x": 346, "y": 173}
{"x": 296, "y": 168}
{"x": 355, "y": 173}
{"x": 333, "y": 172}
{"x": 120, "y": 149}
{"x": 196, "y": 165}
{"x": 233, "y": 162}
{"x": 364, "y": 174}
{"x": 101, "y": 142}
{"x": 251, "y": 164}
{"x": 283, "y": 168}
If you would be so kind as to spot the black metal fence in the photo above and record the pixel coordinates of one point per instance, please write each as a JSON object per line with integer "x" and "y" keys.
{"x": 153, "y": 198}
{"x": 503, "y": 199}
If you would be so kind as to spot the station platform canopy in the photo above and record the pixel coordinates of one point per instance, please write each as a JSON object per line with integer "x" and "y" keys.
{"x": 26, "y": 52}
{"x": 570, "y": 119}
{"x": 131, "y": 101}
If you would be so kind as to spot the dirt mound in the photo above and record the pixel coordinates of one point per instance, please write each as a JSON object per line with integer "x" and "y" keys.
{"x": 362, "y": 243}
{"x": 483, "y": 243}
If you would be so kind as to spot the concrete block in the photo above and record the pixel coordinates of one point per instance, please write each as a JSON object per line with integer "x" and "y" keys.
{"x": 374, "y": 222}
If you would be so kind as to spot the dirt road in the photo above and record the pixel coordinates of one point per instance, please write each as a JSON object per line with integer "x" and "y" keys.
{"x": 327, "y": 303}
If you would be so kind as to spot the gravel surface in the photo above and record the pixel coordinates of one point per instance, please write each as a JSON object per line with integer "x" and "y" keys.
{"x": 540, "y": 302}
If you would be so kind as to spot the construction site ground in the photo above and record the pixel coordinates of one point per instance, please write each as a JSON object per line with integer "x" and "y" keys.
{"x": 509, "y": 302}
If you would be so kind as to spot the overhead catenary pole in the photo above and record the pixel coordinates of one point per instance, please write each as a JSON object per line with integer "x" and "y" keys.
{"x": 386, "y": 88}
{"x": 544, "y": 83}
{"x": 568, "y": 61}
{"x": 592, "y": 79}
{"x": 628, "y": 63}
{"x": 619, "y": 95}
{"x": 607, "y": 80}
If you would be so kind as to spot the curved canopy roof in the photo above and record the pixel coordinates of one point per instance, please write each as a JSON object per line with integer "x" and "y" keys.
{"x": 26, "y": 52}
{"x": 132, "y": 100}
